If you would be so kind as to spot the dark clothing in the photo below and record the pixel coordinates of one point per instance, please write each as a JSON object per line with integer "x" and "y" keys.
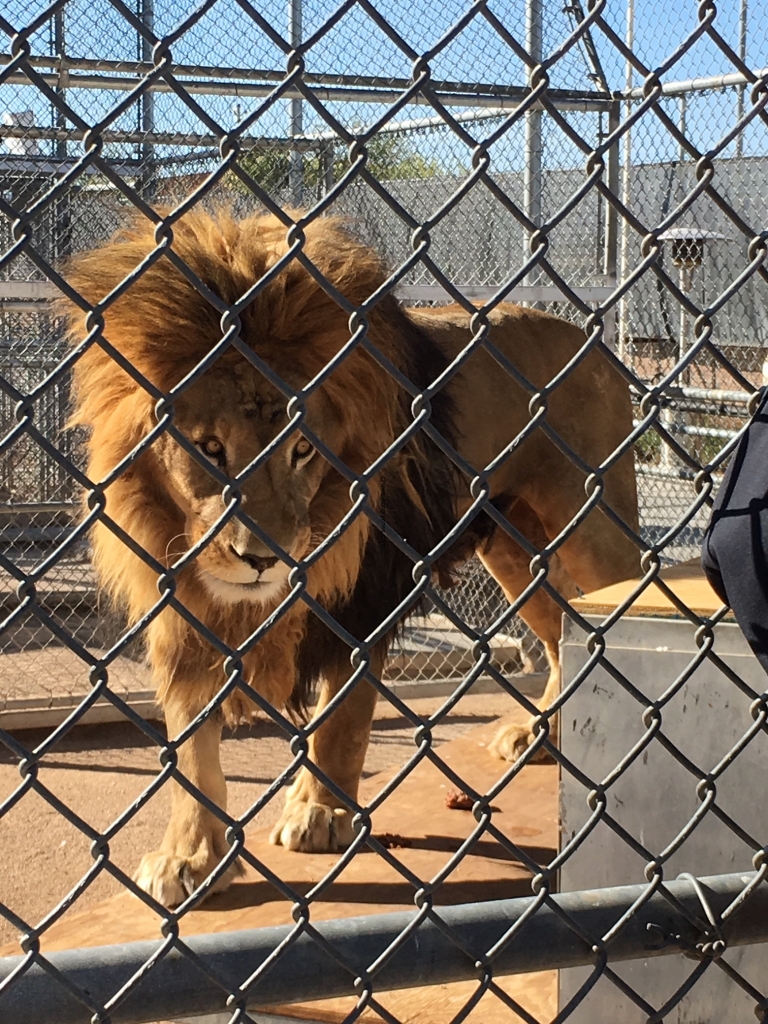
{"x": 735, "y": 549}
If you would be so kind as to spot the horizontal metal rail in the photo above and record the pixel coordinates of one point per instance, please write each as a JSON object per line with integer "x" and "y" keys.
{"x": 176, "y": 988}
{"x": 11, "y": 508}
{"x": 703, "y": 84}
{"x": 522, "y": 293}
{"x": 36, "y": 291}
{"x": 126, "y": 74}
{"x": 153, "y": 138}
{"x": 506, "y": 98}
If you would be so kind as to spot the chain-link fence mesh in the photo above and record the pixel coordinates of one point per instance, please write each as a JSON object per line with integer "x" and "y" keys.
{"x": 606, "y": 163}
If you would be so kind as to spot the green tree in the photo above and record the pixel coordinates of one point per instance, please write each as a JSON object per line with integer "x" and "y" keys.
{"x": 390, "y": 157}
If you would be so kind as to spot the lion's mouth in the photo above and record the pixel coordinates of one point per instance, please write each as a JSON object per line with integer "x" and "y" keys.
{"x": 228, "y": 591}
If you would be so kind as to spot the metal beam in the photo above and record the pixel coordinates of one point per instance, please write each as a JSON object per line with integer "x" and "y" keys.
{"x": 697, "y": 84}
{"x": 451, "y": 94}
{"x": 522, "y": 293}
{"x": 155, "y": 138}
{"x": 176, "y": 988}
{"x": 128, "y": 72}
{"x": 33, "y": 293}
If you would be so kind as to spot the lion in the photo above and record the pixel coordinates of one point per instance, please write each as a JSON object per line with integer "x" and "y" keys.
{"x": 299, "y": 531}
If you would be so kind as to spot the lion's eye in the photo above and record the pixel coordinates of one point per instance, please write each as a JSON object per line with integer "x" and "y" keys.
{"x": 301, "y": 451}
{"x": 212, "y": 448}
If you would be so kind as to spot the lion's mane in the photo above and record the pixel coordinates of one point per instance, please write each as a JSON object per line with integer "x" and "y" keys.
{"x": 138, "y": 342}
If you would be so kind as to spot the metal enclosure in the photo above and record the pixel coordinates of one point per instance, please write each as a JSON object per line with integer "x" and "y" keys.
{"x": 656, "y": 800}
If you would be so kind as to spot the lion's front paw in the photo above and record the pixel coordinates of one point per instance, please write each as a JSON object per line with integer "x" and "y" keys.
{"x": 313, "y": 828}
{"x": 512, "y": 741}
{"x": 170, "y": 879}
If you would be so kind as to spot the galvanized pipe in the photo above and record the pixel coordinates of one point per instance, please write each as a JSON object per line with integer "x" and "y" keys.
{"x": 705, "y": 84}
{"x": 176, "y": 989}
{"x": 461, "y": 96}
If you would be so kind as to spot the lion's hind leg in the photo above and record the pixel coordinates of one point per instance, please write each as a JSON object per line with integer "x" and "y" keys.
{"x": 509, "y": 565}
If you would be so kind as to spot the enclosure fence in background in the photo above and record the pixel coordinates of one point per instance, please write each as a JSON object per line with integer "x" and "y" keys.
{"x": 607, "y": 162}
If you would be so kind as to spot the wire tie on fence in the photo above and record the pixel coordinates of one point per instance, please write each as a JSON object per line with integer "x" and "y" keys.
{"x": 30, "y": 942}
{"x": 359, "y": 489}
{"x": 421, "y": 238}
{"x": 229, "y": 145}
{"x": 229, "y": 321}
{"x": 100, "y": 848}
{"x": 232, "y": 494}
{"x": 703, "y": 480}
{"x": 423, "y": 897}
{"x": 93, "y": 142}
{"x": 296, "y": 407}
{"x": 166, "y": 583}
{"x": 759, "y": 707}
{"x": 654, "y": 871}
{"x": 297, "y": 578}
{"x": 704, "y": 637}
{"x": 421, "y": 404}
{"x": 539, "y": 565}
{"x": 24, "y": 410}
{"x": 755, "y": 401}
{"x": 29, "y": 766}
{"x": 538, "y": 403}
{"x": 169, "y": 755}
{"x": 98, "y": 676}
{"x": 235, "y": 836}
{"x": 299, "y": 746}
{"x": 594, "y": 483}
{"x": 26, "y": 590}
{"x": 541, "y": 882}
{"x": 597, "y": 798}
{"x": 479, "y": 487}
{"x": 704, "y": 787}
{"x": 360, "y": 656}
{"x": 422, "y": 734}
{"x": 300, "y": 911}
{"x": 165, "y": 409}
{"x": 711, "y": 943}
{"x": 652, "y": 716}
{"x": 294, "y": 235}
{"x": 596, "y": 641}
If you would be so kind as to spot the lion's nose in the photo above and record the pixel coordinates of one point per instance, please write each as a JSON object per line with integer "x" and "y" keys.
{"x": 255, "y": 561}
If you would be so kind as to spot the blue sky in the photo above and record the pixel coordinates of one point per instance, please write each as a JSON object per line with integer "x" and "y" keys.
{"x": 227, "y": 35}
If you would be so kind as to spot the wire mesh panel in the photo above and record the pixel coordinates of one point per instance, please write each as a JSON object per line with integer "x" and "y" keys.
{"x": 346, "y": 346}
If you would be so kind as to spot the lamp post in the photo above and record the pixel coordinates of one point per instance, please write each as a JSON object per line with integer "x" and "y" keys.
{"x": 687, "y": 255}
{"x": 688, "y": 246}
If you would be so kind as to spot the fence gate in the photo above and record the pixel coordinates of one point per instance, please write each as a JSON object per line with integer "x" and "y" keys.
{"x": 606, "y": 162}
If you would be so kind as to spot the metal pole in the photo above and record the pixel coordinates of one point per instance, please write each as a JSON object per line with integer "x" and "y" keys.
{"x": 532, "y": 179}
{"x": 62, "y": 229}
{"x": 295, "y": 111}
{"x": 176, "y": 988}
{"x": 147, "y": 103}
{"x": 739, "y": 144}
{"x": 611, "y": 245}
{"x": 625, "y": 353}
{"x": 59, "y": 45}
{"x": 326, "y": 166}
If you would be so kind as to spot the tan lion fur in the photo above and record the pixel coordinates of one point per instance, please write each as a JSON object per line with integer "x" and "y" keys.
{"x": 163, "y": 327}
{"x": 163, "y": 502}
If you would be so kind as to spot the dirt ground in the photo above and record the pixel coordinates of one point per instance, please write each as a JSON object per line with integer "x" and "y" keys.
{"x": 99, "y": 771}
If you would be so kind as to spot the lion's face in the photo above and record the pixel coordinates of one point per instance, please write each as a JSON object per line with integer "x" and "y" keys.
{"x": 230, "y": 415}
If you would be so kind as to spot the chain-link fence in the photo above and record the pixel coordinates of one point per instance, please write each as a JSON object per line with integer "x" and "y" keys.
{"x": 604, "y": 162}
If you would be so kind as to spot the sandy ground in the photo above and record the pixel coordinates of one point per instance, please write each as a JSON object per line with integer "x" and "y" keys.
{"x": 99, "y": 771}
